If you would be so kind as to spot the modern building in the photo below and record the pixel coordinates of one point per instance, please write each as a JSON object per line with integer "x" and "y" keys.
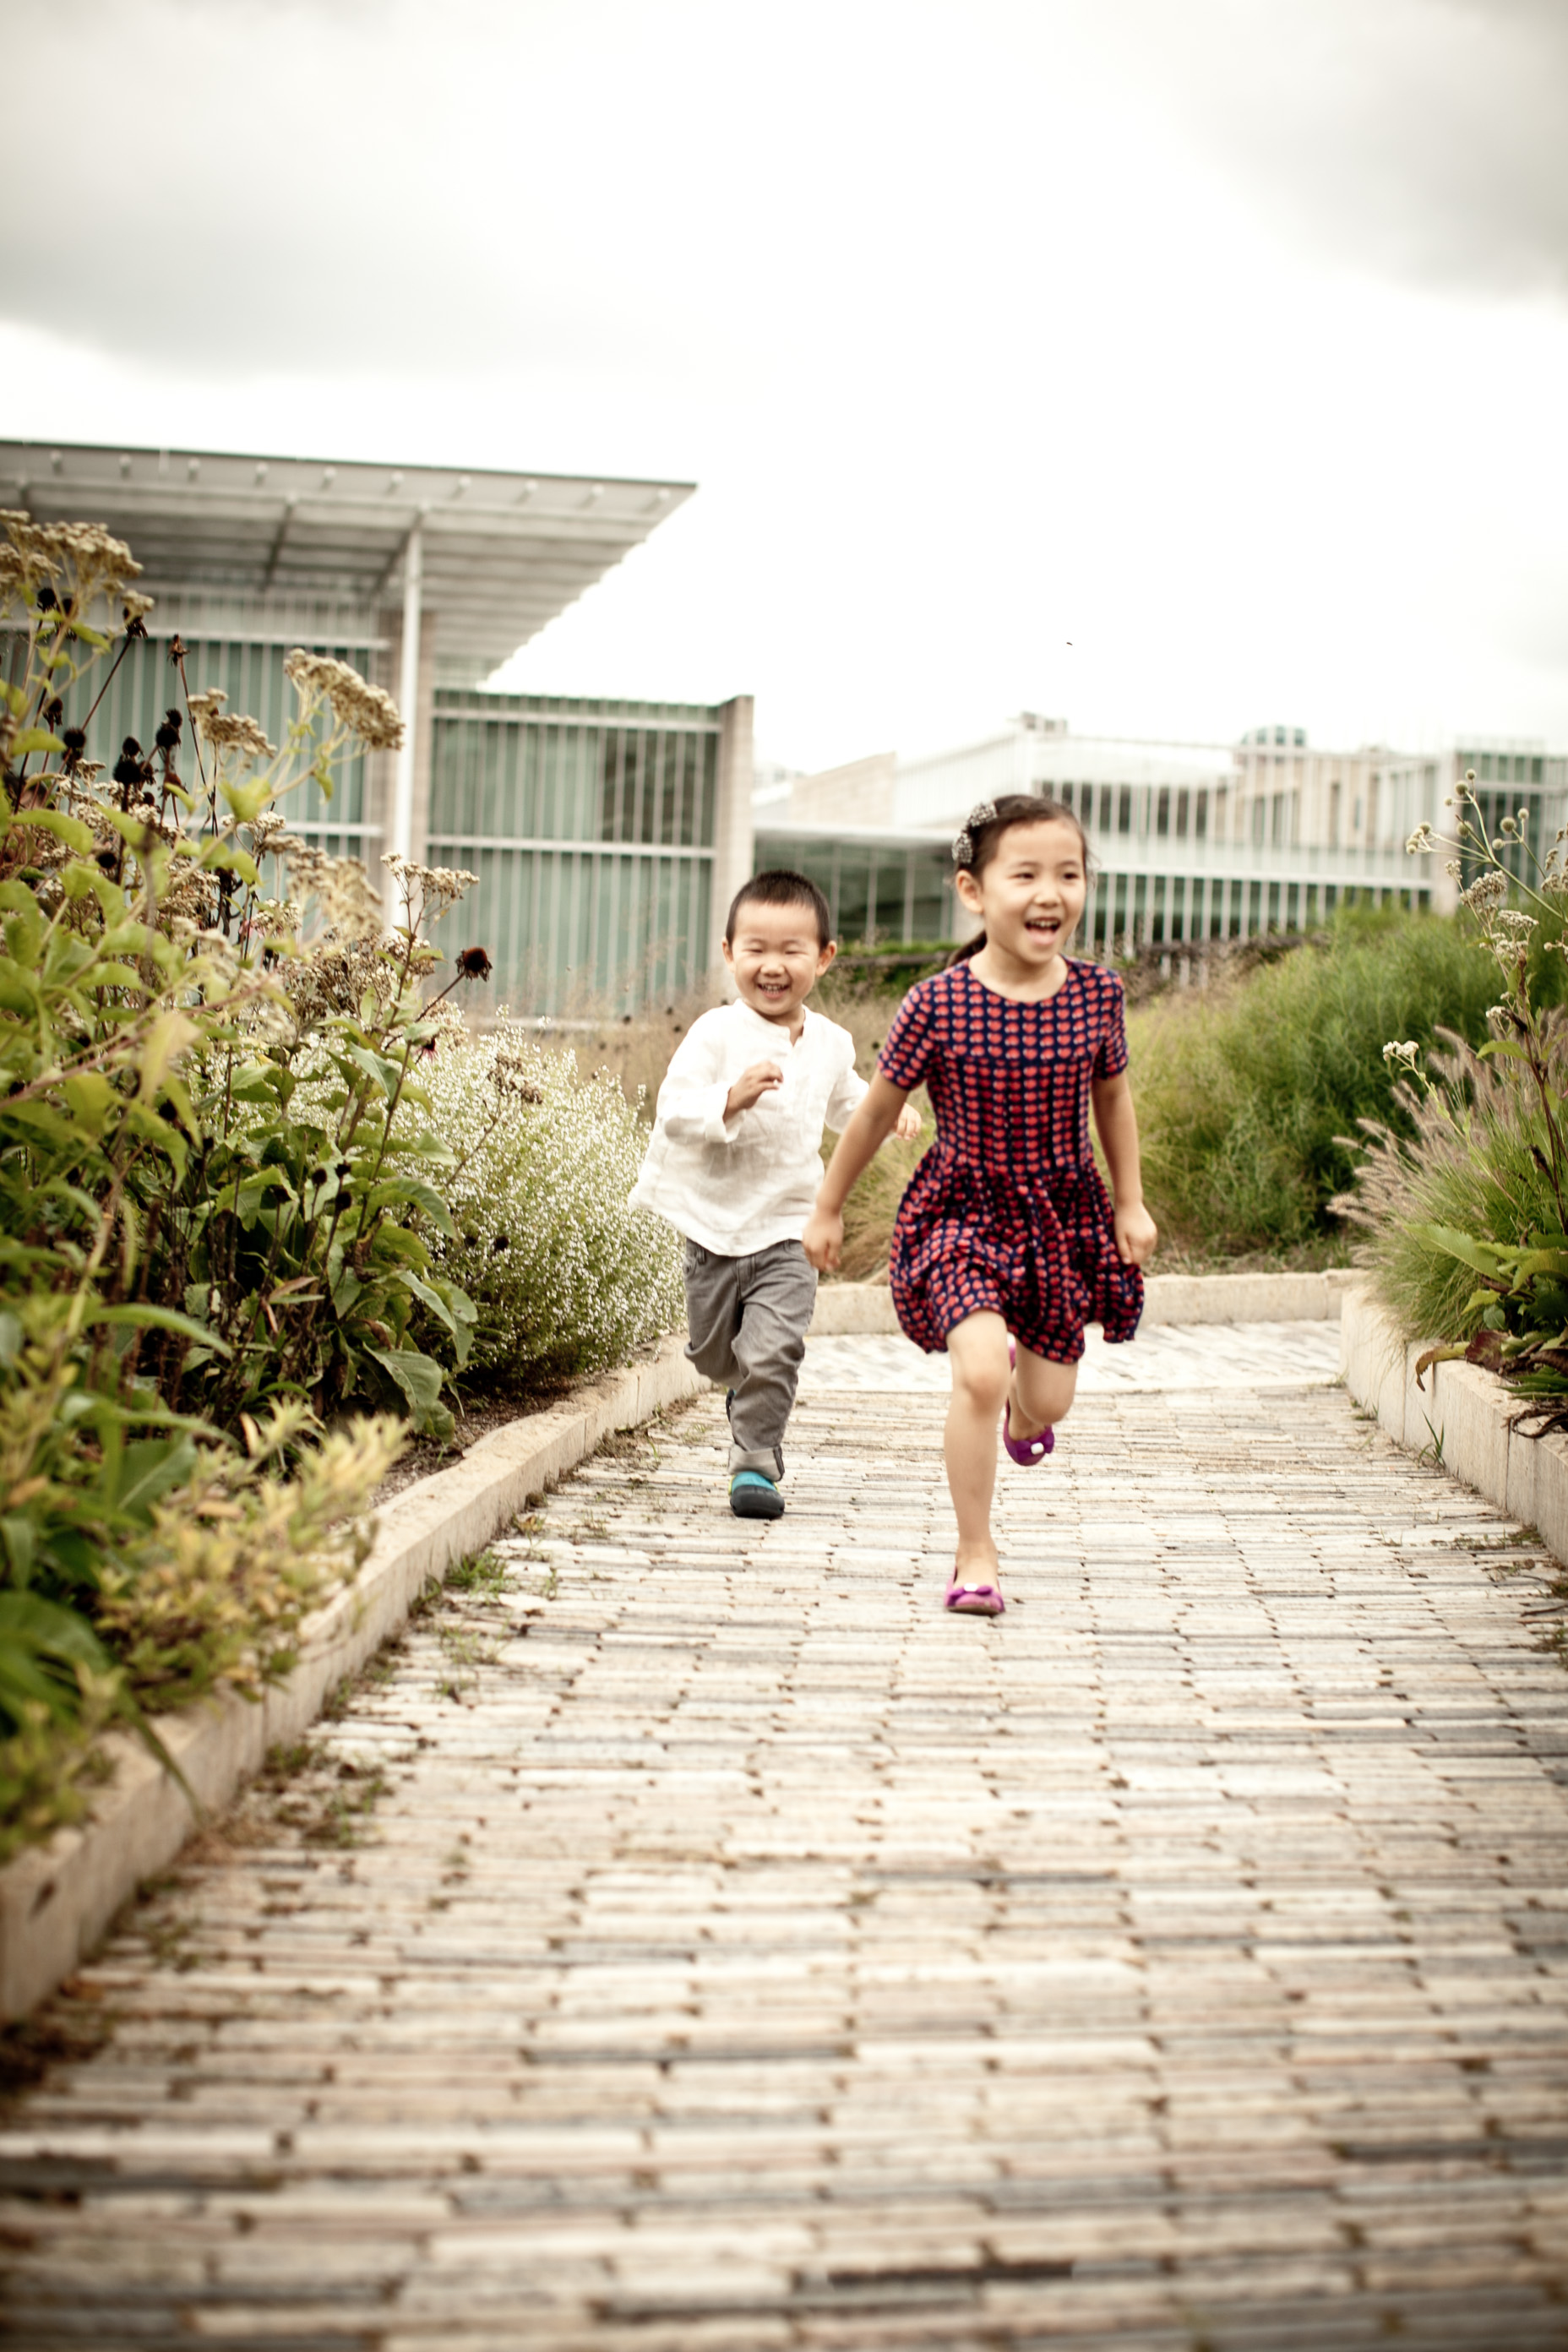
{"x": 1192, "y": 841}
{"x": 604, "y": 834}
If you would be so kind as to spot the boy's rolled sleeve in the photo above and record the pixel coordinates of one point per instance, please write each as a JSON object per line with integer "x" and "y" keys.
{"x": 691, "y": 1100}
{"x": 849, "y": 1092}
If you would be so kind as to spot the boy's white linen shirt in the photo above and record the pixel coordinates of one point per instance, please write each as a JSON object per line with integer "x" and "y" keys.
{"x": 736, "y": 1186}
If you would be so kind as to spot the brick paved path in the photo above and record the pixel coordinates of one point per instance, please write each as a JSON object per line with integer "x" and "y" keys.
{"x": 742, "y": 1955}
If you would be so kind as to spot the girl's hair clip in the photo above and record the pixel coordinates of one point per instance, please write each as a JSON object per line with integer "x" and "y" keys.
{"x": 981, "y": 814}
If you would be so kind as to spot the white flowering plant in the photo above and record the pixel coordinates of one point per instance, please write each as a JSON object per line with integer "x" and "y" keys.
{"x": 1466, "y": 1214}
{"x": 563, "y": 1276}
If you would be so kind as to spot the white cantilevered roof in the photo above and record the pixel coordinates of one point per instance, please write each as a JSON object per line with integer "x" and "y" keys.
{"x": 502, "y": 553}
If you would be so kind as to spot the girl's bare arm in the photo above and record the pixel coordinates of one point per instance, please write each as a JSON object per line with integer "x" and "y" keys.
{"x": 1116, "y": 1123}
{"x": 868, "y": 1129}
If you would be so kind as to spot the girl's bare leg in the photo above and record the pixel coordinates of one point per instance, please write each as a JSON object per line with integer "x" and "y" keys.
{"x": 1041, "y": 1395}
{"x": 977, "y": 1349}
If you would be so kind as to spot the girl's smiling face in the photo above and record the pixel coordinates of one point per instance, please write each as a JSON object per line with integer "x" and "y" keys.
{"x": 1030, "y": 892}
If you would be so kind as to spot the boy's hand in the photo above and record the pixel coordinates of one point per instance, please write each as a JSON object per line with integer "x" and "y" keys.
{"x": 1136, "y": 1233}
{"x": 762, "y": 1078}
{"x": 823, "y": 1240}
{"x": 909, "y": 1123}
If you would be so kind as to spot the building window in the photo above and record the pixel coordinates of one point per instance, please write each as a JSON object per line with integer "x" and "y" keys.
{"x": 1124, "y": 809}
{"x": 1162, "y": 810}
{"x": 1183, "y": 807}
{"x": 1257, "y": 822}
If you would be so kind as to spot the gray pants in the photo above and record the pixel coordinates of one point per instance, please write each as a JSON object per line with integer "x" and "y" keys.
{"x": 748, "y": 1318}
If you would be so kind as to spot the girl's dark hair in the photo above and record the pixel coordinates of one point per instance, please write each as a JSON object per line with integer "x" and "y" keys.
{"x": 977, "y": 843}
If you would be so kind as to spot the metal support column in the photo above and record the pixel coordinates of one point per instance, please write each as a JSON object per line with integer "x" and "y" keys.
{"x": 402, "y": 827}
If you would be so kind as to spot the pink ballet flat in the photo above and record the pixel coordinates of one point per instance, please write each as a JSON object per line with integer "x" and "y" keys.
{"x": 974, "y": 1600}
{"x": 1025, "y": 1449}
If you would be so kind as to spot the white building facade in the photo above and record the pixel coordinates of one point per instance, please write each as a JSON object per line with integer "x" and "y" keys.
{"x": 1191, "y": 841}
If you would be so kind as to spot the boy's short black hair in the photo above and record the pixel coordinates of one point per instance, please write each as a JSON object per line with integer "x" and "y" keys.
{"x": 779, "y": 887}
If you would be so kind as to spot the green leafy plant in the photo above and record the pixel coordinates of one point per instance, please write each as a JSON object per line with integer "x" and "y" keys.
{"x": 191, "y": 1276}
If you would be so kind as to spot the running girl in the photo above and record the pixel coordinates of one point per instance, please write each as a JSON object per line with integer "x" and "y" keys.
{"x": 1005, "y": 1227}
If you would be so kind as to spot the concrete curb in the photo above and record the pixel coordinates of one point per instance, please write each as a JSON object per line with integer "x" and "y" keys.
{"x": 848, "y": 1310}
{"x": 56, "y": 1900}
{"x": 1464, "y": 1413}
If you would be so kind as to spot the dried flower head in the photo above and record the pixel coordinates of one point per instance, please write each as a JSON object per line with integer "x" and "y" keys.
{"x": 364, "y": 709}
{"x": 346, "y": 903}
{"x": 1485, "y": 895}
{"x": 438, "y": 886}
{"x": 228, "y": 731}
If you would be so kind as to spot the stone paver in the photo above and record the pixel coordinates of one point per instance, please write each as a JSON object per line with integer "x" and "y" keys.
{"x": 742, "y": 1955}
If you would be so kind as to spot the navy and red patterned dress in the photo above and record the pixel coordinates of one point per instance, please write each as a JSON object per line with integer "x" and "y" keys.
{"x": 1006, "y": 1210}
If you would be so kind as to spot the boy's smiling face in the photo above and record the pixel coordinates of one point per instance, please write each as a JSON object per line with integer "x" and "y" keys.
{"x": 777, "y": 959}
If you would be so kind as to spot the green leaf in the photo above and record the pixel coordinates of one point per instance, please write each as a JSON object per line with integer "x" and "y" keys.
{"x": 248, "y": 800}
{"x": 68, "y": 829}
{"x": 92, "y": 1100}
{"x": 1483, "y": 1256}
{"x": 141, "y": 1316}
{"x": 45, "y": 1649}
{"x": 429, "y": 1298}
{"x": 35, "y": 739}
{"x": 409, "y": 1191}
{"x": 146, "y": 1469}
{"x": 231, "y": 859}
{"x": 388, "y": 1075}
{"x": 420, "y": 1379}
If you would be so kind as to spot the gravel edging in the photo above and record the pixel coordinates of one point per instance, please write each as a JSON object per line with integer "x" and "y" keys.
{"x": 1462, "y": 1412}
{"x": 57, "y": 1900}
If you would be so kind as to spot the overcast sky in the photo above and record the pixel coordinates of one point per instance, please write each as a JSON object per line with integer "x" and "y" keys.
{"x": 1171, "y": 367}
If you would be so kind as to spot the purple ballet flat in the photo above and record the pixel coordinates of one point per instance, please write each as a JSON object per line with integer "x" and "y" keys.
{"x": 1025, "y": 1451}
{"x": 974, "y": 1600}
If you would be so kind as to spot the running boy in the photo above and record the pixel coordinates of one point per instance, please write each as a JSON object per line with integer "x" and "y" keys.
{"x": 734, "y": 1164}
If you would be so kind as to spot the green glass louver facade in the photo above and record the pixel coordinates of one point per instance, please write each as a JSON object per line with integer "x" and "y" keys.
{"x": 880, "y": 893}
{"x": 591, "y": 827}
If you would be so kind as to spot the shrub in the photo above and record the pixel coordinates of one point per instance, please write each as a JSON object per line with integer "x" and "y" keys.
{"x": 563, "y": 1278}
{"x": 1245, "y": 1097}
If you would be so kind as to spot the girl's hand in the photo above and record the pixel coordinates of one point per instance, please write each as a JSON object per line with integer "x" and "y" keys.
{"x": 1136, "y": 1233}
{"x": 823, "y": 1240}
{"x": 909, "y": 1123}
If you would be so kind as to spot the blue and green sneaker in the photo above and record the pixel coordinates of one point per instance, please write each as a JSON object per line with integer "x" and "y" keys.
{"x": 753, "y": 1497}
